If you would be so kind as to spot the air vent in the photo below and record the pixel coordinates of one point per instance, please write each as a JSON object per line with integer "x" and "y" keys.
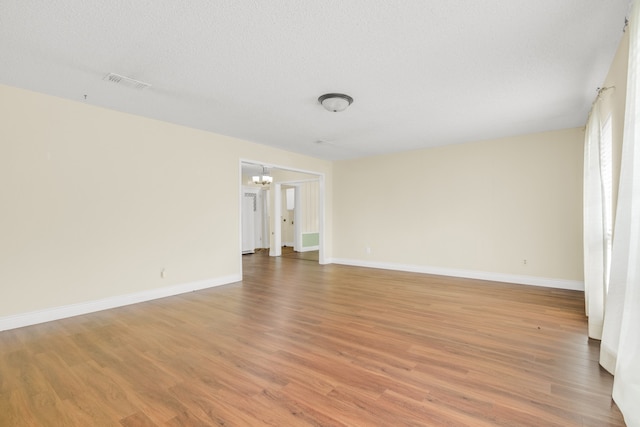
{"x": 126, "y": 81}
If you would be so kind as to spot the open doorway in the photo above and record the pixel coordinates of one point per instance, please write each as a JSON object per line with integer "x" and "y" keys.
{"x": 254, "y": 222}
{"x": 299, "y": 214}
{"x": 290, "y": 224}
{"x": 293, "y": 216}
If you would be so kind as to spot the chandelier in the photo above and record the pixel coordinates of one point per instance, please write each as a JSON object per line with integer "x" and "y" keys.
{"x": 263, "y": 179}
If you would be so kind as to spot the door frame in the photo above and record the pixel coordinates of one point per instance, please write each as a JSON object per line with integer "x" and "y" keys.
{"x": 255, "y": 191}
{"x": 297, "y": 243}
{"x": 275, "y": 248}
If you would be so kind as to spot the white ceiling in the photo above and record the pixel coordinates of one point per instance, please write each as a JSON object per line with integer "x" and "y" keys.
{"x": 422, "y": 72}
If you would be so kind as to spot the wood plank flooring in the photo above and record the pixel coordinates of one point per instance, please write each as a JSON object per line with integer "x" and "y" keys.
{"x": 297, "y": 343}
{"x": 288, "y": 252}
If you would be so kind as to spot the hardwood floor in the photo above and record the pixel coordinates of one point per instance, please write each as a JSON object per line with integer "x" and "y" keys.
{"x": 297, "y": 343}
{"x": 288, "y": 252}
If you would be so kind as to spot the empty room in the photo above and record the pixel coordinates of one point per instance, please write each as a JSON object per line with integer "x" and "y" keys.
{"x": 362, "y": 213}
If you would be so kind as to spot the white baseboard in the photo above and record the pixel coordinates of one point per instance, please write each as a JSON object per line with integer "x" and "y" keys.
{"x": 468, "y": 274}
{"x": 55, "y": 313}
{"x": 309, "y": 249}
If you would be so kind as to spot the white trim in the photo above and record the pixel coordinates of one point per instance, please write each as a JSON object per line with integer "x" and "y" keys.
{"x": 276, "y": 250}
{"x": 309, "y": 248}
{"x": 468, "y": 274}
{"x": 240, "y": 195}
{"x": 277, "y": 166}
{"x": 297, "y": 219}
{"x": 55, "y": 313}
{"x": 321, "y": 222}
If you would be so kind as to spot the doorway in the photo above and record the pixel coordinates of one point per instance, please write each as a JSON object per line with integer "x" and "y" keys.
{"x": 255, "y": 231}
{"x": 299, "y": 214}
{"x": 290, "y": 224}
{"x": 303, "y": 225}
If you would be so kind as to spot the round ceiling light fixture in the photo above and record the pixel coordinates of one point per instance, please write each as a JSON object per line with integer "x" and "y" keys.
{"x": 335, "y": 102}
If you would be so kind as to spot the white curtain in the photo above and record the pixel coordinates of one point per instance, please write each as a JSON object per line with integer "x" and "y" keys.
{"x": 620, "y": 347}
{"x": 595, "y": 248}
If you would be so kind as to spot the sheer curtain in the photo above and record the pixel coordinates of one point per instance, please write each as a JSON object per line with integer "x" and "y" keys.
{"x": 620, "y": 347}
{"x": 595, "y": 249}
{"x": 595, "y": 256}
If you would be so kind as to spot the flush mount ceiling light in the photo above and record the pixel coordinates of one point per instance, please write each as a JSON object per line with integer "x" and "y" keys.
{"x": 264, "y": 179}
{"x": 335, "y": 102}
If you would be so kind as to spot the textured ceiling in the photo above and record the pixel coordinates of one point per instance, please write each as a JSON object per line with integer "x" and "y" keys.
{"x": 422, "y": 72}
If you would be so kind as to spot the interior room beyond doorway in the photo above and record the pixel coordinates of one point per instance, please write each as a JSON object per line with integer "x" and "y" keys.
{"x": 282, "y": 213}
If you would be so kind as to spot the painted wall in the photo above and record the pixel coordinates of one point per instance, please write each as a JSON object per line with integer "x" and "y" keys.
{"x": 469, "y": 209}
{"x": 309, "y": 196}
{"x": 97, "y": 203}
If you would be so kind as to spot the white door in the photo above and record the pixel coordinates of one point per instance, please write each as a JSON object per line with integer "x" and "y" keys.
{"x": 248, "y": 222}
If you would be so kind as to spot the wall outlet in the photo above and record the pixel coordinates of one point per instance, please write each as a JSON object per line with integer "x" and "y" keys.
{"x": 163, "y": 273}
{"x": 367, "y": 249}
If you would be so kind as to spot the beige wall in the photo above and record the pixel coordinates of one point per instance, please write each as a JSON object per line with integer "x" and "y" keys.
{"x": 96, "y": 203}
{"x": 484, "y": 206}
{"x": 309, "y": 196}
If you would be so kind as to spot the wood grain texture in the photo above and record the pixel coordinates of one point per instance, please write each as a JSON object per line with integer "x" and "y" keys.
{"x": 297, "y": 343}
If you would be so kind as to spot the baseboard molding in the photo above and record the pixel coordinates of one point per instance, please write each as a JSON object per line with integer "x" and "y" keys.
{"x": 467, "y": 274}
{"x": 309, "y": 249}
{"x": 55, "y": 313}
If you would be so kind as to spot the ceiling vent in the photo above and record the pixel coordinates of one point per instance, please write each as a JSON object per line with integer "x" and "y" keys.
{"x": 126, "y": 81}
